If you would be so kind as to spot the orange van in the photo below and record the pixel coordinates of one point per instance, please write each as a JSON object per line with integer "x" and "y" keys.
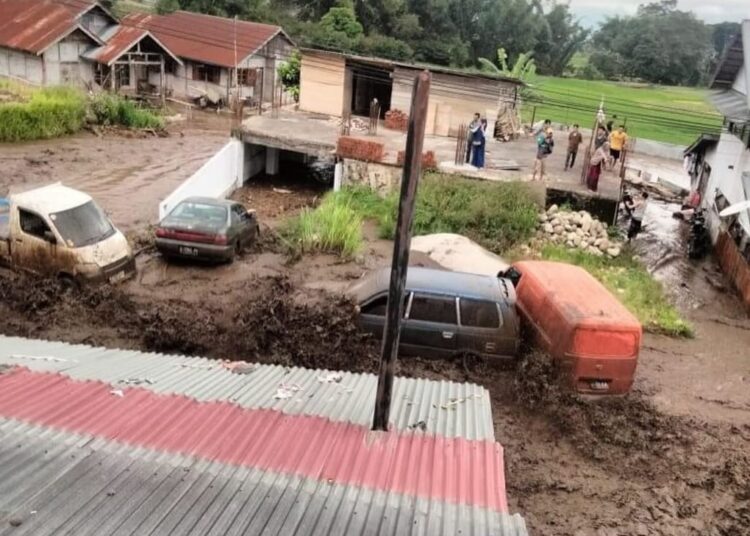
{"x": 594, "y": 339}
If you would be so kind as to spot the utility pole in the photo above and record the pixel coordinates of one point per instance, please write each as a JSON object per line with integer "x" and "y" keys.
{"x": 395, "y": 312}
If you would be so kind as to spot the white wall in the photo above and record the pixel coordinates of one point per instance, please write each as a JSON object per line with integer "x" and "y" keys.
{"x": 21, "y": 65}
{"x": 740, "y": 83}
{"x": 217, "y": 178}
{"x": 728, "y": 161}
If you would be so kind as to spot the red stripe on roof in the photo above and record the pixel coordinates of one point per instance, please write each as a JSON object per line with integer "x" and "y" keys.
{"x": 446, "y": 469}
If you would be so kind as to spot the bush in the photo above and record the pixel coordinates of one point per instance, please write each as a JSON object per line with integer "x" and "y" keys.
{"x": 48, "y": 113}
{"x": 334, "y": 227}
{"x": 112, "y": 109}
{"x": 497, "y": 215}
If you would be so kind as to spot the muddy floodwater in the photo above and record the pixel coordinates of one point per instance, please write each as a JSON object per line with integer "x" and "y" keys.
{"x": 672, "y": 458}
{"x": 126, "y": 176}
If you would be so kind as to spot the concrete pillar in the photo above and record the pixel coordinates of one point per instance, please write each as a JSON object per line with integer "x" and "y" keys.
{"x": 272, "y": 161}
{"x": 338, "y": 176}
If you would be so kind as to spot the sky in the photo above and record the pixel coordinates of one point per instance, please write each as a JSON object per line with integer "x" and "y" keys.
{"x": 591, "y": 12}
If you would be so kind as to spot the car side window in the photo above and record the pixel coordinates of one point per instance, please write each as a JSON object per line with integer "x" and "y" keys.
{"x": 429, "y": 308}
{"x": 32, "y": 224}
{"x": 379, "y": 306}
{"x": 237, "y": 214}
{"x": 479, "y": 314}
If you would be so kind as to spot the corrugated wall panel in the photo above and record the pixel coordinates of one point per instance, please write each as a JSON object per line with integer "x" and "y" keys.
{"x": 448, "y": 409}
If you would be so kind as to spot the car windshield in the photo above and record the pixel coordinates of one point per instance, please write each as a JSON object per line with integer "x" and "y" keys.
{"x": 82, "y": 226}
{"x": 196, "y": 215}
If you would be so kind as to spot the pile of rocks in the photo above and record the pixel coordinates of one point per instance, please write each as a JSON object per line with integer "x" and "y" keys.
{"x": 578, "y": 230}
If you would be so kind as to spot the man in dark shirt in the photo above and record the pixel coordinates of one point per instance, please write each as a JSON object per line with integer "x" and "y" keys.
{"x": 574, "y": 140}
{"x": 611, "y": 124}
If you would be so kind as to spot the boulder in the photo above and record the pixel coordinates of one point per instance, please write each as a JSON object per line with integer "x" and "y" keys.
{"x": 597, "y": 242}
{"x": 568, "y": 227}
{"x": 614, "y": 251}
{"x": 559, "y": 229}
{"x": 577, "y": 241}
{"x": 553, "y": 210}
{"x": 548, "y": 228}
{"x": 579, "y": 232}
{"x": 604, "y": 245}
{"x": 543, "y": 217}
{"x": 586, "y": 225}
{"x": 584, "y": 244}
{"x": 595, "y": 251}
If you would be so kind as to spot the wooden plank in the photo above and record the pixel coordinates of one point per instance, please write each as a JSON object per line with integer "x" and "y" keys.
{"x": 401, "y": 246}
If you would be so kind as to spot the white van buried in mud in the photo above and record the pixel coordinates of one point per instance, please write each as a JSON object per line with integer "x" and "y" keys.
{"x": 60, "y": 232}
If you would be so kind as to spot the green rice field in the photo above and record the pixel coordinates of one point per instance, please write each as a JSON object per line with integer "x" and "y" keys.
{"x": 675, "y": 115}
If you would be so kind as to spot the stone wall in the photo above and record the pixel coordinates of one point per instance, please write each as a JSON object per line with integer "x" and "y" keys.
{"x": 383, "y": 178}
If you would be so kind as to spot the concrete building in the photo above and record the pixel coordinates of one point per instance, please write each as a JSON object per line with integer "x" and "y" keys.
{"x": 720, "y": 166}
{"x": 212, "y": 49}
{"x": 341, "y": 84}
{"x": 185, "y": 55}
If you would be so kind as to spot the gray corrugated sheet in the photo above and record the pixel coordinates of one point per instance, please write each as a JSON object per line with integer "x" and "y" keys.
{"x": 54, "y": 482}
{"x": 731, "y": 104}
{"x": 448, "y": 409}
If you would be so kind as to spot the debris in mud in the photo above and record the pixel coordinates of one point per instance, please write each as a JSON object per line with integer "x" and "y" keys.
{"x": 628, "y": 422}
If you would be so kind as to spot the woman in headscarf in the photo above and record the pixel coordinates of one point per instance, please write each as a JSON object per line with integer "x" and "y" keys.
{"x": 596, "y": 165}
{"x": 478, "y": 142}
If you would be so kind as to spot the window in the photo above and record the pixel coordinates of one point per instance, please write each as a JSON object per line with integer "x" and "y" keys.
{"x": 207, "y": 73}
{"x": 479, "y": 314}
{"x": 379, "y": 306}
{"x": 122, "y": 75}
{"x": 440, "y": 309}
{"x": 247, "y": 77}
{"x": 82, "y": 226}
{"x": 32, "y": 224}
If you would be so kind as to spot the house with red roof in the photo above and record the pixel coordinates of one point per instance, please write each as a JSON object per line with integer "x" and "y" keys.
{"x": 184, "y": 55}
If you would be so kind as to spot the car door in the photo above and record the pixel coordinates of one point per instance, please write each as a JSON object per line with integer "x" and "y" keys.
{"x": 234, "y": 232}
{"x": 34, "y": 248}
{"x": 240, "y": 223}
{"x": 481, "y": 327}
{"x": 431, "y": 326}
{"x": 372, "y": 314}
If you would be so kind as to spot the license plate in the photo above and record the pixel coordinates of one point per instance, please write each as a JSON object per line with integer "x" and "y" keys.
{"x": 188, "y": 251}
{"x": 117, "y": 277}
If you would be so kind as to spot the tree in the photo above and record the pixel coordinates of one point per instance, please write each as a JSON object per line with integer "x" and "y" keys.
{"x": 339, "y": 29}
{"x": 661, "y": 45}
{"x": 559, "y": 40}
{"x": 523, "y": 69}
{"x": 289, "y": 73}
{"x": 167, "y": 6}
{"x": 722, "y": 33}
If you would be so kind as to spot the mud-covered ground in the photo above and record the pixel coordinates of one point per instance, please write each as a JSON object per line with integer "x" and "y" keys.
{"x": 672, "y": 458}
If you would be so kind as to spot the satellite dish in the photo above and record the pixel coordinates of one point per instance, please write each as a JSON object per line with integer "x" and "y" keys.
{"x": 735, "y": 209}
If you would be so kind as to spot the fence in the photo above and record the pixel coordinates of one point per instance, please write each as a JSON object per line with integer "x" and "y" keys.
{"x": 734, "y": 265}
{"x": 216, "y": 178}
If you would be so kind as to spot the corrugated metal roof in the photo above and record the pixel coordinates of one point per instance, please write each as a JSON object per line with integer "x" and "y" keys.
{"x": 119, "y": 40}
{"x": 729, "y": 66}
{"x": 731, "y": 104}
{"x": 205, "y": 38}
{"x": 57, "y": 482}
{"x": 447, "y": 409}
{"x": 34, "y": 25}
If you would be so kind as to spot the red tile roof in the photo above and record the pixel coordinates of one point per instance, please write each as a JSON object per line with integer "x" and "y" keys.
{"x": 34, "y": 25}
{"x": 205, "y": 38}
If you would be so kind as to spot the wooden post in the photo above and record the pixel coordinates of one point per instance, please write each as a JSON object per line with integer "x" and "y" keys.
{"x": 162, "y": 81}
{"x": 395, "y": 312}
{"x": 533, "y": 117}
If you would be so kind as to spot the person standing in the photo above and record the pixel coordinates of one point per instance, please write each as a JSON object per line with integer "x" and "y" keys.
{"x": 637, "y": 208}
{"x": 617, "y": 142}
{"x": 469, "y": 135}
{"x": 542, "y": 127}
{"x": 574, "y": 140}
{"x": 595, "y": 166}
{"x": 601, "y": 137}
{"x": 478, "y": 144}
{"x": 545, "y": 143}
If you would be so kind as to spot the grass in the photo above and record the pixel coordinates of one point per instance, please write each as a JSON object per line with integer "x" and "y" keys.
{"x": 112, "y": 109}
{"x": 496, "y": 215}
{"x": 627, "y": 279}
{"x": 333, "y": 227}
{"x": 40, "y": 114}
{"x": 669, "y": 114}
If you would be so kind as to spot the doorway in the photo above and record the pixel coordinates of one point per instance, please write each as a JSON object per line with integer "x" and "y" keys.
{"x": 370, "y": 82}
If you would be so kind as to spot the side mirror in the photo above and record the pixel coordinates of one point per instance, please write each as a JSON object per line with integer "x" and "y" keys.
{"x": 49, "y": 236}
